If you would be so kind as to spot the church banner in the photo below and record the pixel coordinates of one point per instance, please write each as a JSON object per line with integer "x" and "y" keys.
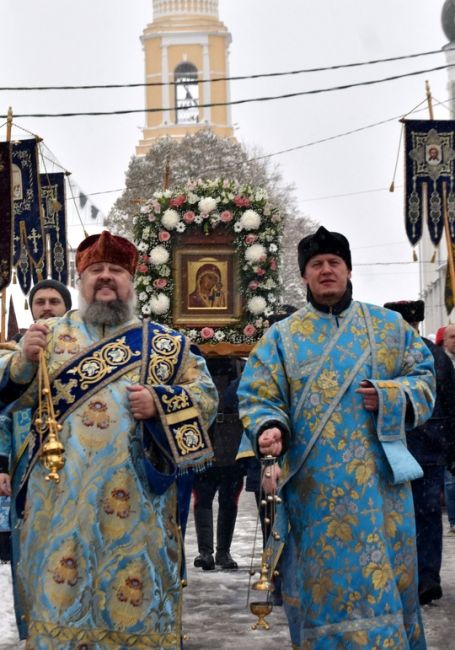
{"x": 28, "y": 242}
{"x": 6, "y": 214}
{"x": 54, "y": 222}
{"x": 429, "y": 173}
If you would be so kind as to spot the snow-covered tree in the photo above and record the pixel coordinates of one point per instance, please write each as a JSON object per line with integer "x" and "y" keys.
{"x": 204, "y": 155}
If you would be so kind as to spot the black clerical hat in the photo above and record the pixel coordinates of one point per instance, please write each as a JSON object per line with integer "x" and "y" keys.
{"x": 323, "y": 242}
{"x": 413, "y": 311}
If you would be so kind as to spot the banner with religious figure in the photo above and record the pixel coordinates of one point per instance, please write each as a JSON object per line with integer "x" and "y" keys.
{"x": 54, "y": 222}
{"x": 429, "y": 176}
{"x": 28, "y": 240}
{"x": 6, "y": 214}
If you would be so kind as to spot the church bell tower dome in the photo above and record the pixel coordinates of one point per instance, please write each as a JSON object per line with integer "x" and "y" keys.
{"x": 448, "y": 19}
{"x": 178, "y": 7}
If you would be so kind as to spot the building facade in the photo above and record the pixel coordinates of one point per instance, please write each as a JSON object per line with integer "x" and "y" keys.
{"x": 432, "y": 276}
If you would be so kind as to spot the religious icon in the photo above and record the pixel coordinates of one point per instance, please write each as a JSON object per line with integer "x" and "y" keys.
{"x": 205, "y": 286}
{"x": 208, "y": 290}
{"x": 433, "y": 154}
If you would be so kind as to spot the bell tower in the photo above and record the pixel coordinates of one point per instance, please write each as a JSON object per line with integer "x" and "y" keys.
{"x": 186, "y": 47}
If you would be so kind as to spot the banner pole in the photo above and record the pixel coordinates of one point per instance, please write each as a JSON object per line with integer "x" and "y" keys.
{"x": 9, "y": 125}
{"x": 445, "y": 212}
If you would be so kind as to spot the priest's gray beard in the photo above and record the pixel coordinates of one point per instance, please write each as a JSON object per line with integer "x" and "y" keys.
{"x": 108, "y": 314}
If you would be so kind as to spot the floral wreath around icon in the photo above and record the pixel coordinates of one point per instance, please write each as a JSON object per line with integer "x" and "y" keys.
{"x": 210, "y": 206}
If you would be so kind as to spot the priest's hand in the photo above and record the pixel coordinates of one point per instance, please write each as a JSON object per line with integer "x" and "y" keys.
{"x": 5, "y": 485}
{"x": 142, "y": 404}
{"x": 271, "y": 442}
{"x": 34, "y": 341}
{"x": 369, "y": 395}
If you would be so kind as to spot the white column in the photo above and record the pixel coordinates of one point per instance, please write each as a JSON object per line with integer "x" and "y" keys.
{"x": 165, "y": 87}
{"x": 207, "y": 86}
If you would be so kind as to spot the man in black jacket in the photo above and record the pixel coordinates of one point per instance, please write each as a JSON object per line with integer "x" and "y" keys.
{"x": 430, "y": 444}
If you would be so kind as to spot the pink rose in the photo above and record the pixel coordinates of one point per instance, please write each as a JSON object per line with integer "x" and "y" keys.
{"x": 142, "y": 268}
{"x": 207, "y": 332}
{"x": 241, "y": 202}
{"x": 253, "y": 284}
{"x": 226, "y": 216}
{"x": 250, "y": 239}
{"x": 273, "y": 264}
{"x": 249, "y": 330}
{"x": 159, "y": 283}
{"x": 164, "y": 235}
{"x": 177, "y": 201}
{"x": 260, "y": 271}
{"x": 188, "y": 217}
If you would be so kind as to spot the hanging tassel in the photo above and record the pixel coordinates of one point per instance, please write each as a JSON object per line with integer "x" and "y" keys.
{"x": 414, "y": 255}
{"x": 14, "y": 277}
{"x": 392, "y": 187}
{"x": 25, "y": 304}
{"x": 433, "y": 257}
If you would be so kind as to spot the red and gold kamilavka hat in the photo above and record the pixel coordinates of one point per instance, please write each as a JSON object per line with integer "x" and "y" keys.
{"x": 106, "y": 248}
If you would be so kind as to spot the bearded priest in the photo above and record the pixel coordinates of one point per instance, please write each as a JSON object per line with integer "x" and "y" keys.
{"x": 100, "y": 549}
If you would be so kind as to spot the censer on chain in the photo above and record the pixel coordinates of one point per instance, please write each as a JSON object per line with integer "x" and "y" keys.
{"x": 51, "y": 449}
{"x": 261, "y": 609}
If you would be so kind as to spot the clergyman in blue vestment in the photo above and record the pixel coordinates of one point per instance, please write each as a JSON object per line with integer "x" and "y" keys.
{"x": 101, "y": 555}
{"x": 331, "y": 391}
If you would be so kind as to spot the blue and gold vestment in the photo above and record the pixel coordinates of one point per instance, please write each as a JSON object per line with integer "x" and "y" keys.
{"x": 100, "y": 552}
{"x": 345, "y": 529}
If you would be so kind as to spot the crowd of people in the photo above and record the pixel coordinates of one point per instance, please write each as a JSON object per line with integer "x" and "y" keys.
{"x": 342, "y": 411}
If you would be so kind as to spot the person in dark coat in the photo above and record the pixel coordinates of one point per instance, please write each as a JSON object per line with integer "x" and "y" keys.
{"x": 225, "y": 476}
{"x": 430, "y": 444}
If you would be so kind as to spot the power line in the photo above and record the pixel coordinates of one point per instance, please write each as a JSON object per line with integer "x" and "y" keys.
{"x": 303, "y": 93}
{"x": 264, "y": 75}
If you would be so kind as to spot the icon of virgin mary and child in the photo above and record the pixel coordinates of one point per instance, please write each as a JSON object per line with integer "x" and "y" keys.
{"x": 208, "y": 293}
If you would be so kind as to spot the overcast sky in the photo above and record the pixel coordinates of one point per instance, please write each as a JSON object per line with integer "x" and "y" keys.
{"x": 341, "y": 183}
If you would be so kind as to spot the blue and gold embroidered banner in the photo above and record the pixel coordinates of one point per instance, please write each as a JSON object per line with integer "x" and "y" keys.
{"x": 54, "y": 222}
{"x": 6, "y": 214}
{"x": 28, "y": 242}
{"x": 429, "y": 172}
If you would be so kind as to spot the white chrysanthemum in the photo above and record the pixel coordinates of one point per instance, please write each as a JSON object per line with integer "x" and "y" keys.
{"x": 142, "y": 296}
{"x": 255, "y": 253}
{"x": 158, "y": 255}
{"x": 237, "y": 226}
{"x": 250, "y": 220}
{"x": 219, "y": 335}
{"x": 142, "y": 247}
{"x": 159, "y": 304}
{"x": 257, "y": 305}
{"x": 207, "y": 205}
{"x": 273, "y": 248}
{"x": 192, "y": 334}
{"x": 146, "y": 310}
{"x": 180, "y": 227}
{"x": 170, "y": 219}
{"x": 192, "y": 198}
{"x": 198, "y": 219}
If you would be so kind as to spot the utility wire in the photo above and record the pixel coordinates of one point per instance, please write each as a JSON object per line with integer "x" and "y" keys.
{"x": 264, "y": 75}
{"x": 303, "y": 93}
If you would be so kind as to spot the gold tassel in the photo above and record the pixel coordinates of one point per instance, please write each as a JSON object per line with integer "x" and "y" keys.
{"x": 433, "y": 257}
{"x": 414, "y": 255}
{"x": 26, "y": 304}
{"x": 392, "y": 187}
{"x": 14, "y": 277}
